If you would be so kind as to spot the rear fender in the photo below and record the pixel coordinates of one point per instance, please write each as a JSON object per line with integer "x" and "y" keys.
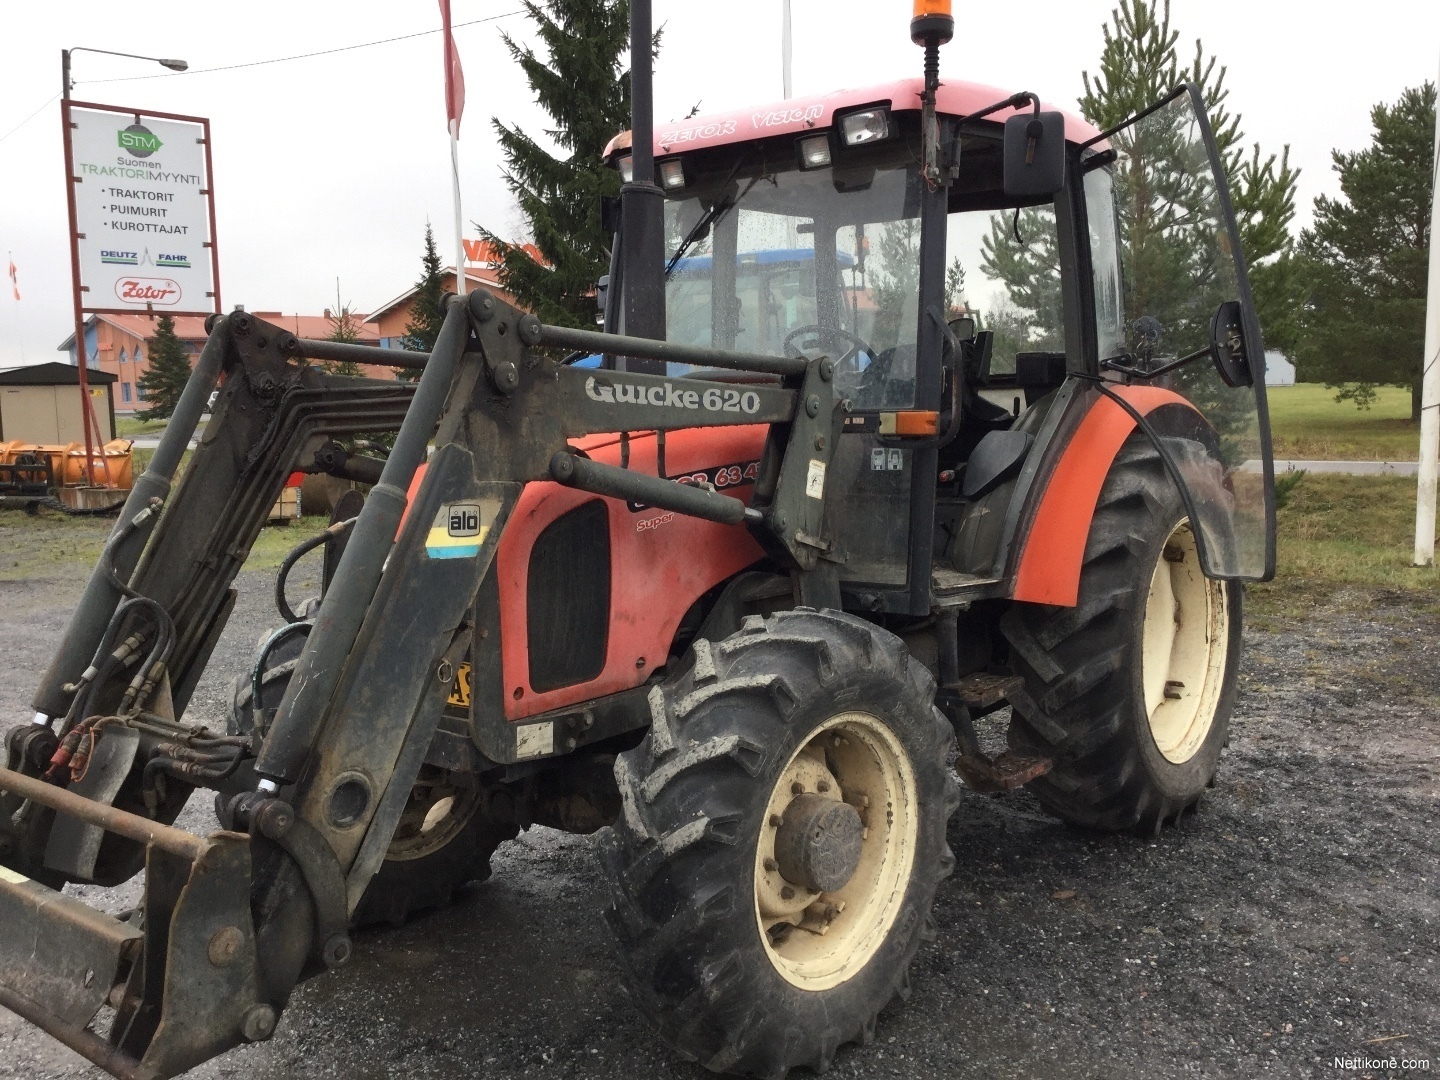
{"x": 1048, "y": 569}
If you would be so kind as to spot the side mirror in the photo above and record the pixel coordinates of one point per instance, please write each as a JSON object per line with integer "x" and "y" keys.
{"x": 963, "y": 328}
{"x": 1227, "y": 346}
{"x": 1034, "y": 154}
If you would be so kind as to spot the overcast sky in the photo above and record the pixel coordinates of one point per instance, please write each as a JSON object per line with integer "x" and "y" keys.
{"x": 330, "y": 166}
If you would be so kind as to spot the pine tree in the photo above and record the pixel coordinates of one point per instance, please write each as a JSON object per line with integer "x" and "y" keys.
{"x": 344, "y": 328}
{"x": 1368, "y": 254}
{"x": 167, "y": 373}
{"x": 1139, "y": 64}
{"x": 582, "y": 85}
{"x": 426, "y": 313}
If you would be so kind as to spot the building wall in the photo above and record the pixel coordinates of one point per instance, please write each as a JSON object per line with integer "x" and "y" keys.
{"x": 50, "y": 415}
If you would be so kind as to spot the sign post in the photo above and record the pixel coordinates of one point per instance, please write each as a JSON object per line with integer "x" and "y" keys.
{"x": 142, "y": 221}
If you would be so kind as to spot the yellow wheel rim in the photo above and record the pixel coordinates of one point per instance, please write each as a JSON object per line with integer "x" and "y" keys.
{"x": 818, "y": 940}
{"x": 1185, "y": 648}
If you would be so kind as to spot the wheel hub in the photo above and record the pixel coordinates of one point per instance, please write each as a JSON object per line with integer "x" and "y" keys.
{"x": 835, "y": 850}
{"x": 818, "y": 843}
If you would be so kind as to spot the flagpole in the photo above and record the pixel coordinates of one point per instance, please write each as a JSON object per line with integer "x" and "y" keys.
{"x": 454, "y": 107}
{"x": 786, "y": 49}
{"x": 1430, "y": 385}
{"x": 460, "y": 283}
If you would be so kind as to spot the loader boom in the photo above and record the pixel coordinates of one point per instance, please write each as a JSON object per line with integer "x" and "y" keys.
{"x": 312, "y": 801}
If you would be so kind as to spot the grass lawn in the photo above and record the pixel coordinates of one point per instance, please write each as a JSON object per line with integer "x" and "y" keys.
{"x": 1345, "y": 539}
{"x": 128, "y": 427}
{"x": 1309, "y": 424}
{"x": 51, "y": 545}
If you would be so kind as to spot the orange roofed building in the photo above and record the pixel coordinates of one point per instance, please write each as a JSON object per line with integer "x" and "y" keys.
{"x": 482, "y": 270}
{"x": 120, "y": 345}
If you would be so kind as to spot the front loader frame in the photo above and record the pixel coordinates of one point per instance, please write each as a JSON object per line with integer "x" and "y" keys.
{"x": 231, "y": 923}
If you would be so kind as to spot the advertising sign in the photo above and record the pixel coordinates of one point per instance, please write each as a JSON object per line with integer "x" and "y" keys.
{"x": 144, "y": 217}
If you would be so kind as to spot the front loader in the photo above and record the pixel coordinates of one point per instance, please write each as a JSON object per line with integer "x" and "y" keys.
{"x": 733, "y": 599}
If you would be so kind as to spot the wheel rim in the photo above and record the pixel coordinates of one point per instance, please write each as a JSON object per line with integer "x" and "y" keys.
{"x": 1186, "y": 646}
{"x": 817, "y": 940}
{"x": 437, "y": 812}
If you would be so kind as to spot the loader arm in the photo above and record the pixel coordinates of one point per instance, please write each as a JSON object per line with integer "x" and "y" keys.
{"x": 311, "y": 800}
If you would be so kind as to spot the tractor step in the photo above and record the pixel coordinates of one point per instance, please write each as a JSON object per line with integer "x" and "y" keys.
{"x": 978, "y": 694}
{"x": 980, "y": 690}
{"x": 1003, "y": 773}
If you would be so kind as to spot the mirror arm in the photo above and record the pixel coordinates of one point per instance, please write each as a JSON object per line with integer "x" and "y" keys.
{"x": 1140, "y": 373}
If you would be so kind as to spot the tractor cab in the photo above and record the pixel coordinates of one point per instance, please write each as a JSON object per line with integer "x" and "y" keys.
{"x": 978, "y": 289}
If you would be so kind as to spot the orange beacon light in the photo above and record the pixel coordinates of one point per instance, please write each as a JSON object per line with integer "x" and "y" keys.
{"x": 932, "y": 23}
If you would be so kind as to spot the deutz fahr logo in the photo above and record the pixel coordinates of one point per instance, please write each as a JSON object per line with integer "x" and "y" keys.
{"x": 138, "y": 141}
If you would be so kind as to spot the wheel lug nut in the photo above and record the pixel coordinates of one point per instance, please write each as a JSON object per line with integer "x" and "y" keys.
{"x": 787, "y": 893}
{"x": 823, "y": 785}
{"x": 775, "y": 820}
{"x": 771, "y": 865}
{"x": 797, "y": 788}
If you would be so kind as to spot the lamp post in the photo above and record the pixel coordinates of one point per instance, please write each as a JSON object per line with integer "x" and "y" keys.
{"x": 87, "y": 414}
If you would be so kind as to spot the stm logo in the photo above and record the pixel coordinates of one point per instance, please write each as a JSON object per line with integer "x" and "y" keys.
{"x": 138, "y": 141}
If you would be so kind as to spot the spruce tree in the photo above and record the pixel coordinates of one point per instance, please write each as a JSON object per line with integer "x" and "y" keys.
{"x": 582, "y": 85}
{"x": 344, "y": 328}
{"x": 426, "y": 313}
{"x": 1139, "y": 64}
{"x": 1367, "y": 255}
{"x": 167, "y": 373}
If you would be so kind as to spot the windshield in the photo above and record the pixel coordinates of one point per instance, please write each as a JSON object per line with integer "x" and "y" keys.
{"x": 795, "y": 262}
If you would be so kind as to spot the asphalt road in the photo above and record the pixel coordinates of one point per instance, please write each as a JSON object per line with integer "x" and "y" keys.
{"x": 1292, "y": 921}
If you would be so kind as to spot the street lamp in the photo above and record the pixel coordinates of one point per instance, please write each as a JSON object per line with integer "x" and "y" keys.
{"x": 68, "y": 84}
{"x": 87, "y": 413}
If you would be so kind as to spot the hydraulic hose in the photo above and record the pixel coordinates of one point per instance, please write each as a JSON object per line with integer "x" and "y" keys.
{"x": 281, "y": 603}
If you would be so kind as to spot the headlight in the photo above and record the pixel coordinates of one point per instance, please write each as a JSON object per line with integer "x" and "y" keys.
{"x": 860, "y": 128}
{"x": 672, "y": 174}
{"x": 815, "y": 152}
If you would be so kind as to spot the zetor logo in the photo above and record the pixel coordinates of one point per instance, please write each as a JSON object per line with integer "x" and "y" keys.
{"x": 668, "y": 395}
{"x": 148, "y": 290}
{"x": 138, "y": 140}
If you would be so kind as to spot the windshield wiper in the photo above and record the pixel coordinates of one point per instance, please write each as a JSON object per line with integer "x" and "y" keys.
{"x": 717, "y": 211}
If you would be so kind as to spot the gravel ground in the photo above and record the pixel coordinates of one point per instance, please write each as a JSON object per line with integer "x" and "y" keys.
{"x": 1293, "y": 921}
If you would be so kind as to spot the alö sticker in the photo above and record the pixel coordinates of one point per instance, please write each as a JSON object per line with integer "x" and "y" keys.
{"x": 459, "y": 529}
{"x": 148, "y": 290}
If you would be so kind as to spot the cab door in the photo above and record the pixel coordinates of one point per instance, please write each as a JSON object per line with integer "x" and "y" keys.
{"x": 1173, "y": 309}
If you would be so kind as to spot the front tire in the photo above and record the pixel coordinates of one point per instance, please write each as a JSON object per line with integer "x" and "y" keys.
{"x": 1130, "y": 691}
{"x": 443, "y": 840}
{"x": 782, "y": 835}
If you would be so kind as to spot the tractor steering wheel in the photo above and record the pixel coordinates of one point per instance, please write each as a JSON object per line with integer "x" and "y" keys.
{"x": 857, "y": 344}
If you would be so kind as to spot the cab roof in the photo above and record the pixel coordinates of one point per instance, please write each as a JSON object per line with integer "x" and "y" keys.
{"x": 954, "y": 98}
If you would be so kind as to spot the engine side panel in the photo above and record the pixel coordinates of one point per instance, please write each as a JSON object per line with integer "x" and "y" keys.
{"x": 660, "y": 564}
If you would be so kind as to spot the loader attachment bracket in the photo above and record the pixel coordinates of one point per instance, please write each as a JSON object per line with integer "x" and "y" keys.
{"x": 182, "y": 981}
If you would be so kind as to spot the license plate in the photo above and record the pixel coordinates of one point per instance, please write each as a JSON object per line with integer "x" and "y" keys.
{"x": 460, "y": 692}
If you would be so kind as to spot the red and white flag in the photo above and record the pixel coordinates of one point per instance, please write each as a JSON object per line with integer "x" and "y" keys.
{"x": 14, "y": 280}
{"x": 454, "y": 75}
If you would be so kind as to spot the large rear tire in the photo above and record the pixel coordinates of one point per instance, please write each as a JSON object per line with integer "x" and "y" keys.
{"x": 443, "y": 841}
{"x": 782, "y": 835}
{"x": 1130, "y": 691}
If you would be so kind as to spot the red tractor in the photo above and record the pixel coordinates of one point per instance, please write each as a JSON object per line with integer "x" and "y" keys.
{"x": 726, "y": 594}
